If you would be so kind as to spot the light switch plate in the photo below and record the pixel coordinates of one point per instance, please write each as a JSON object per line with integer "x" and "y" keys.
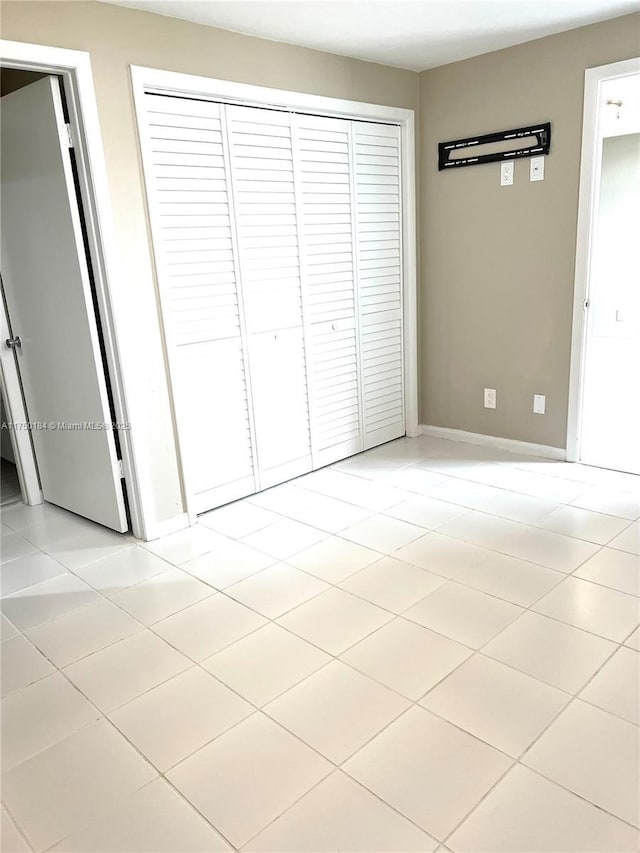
{"x": 536, "y": 169}
{"x": 506, "y": 173}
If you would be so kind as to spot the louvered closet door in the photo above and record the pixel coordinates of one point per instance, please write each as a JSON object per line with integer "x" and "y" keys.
{"x": 265, "y": 209}
{"x": 378, "y": 214}
{"x": 326, "y": 226}
{"x": 188, "y": 179}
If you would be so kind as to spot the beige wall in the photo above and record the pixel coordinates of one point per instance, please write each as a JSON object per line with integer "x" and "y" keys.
{"x": 116, "y": 38}
{"x": 498, "y": 263}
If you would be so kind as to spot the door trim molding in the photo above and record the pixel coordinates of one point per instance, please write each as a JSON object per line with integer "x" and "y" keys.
{"x": 591, "y": 157}
{"x": 170, "y": 82}
{"x": 74, "y": 67}
{"x": 510, "y": 445}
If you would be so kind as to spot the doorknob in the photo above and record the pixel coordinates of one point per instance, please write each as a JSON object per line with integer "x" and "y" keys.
{"x": 14, "y": 343}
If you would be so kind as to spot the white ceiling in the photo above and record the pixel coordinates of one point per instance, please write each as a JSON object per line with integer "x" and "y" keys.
{"x": 414, "y": 34}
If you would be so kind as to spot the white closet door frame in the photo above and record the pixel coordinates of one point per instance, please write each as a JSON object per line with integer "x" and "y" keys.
{"x": 187, "y": 85}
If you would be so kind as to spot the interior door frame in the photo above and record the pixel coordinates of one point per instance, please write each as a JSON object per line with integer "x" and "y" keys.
{"x": 74, "y": 68}
{"x": 245, "y": 94}
{"x": 590, "y": 167}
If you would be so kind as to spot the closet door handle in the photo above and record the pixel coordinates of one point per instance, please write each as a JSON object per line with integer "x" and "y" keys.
{"x": 14, "y": 343}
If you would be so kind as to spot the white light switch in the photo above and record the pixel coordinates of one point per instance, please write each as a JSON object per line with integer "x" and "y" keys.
{"x": 536, "y": 169}
{"x": 506, "y": 173}
{"x": 539, "y": 404}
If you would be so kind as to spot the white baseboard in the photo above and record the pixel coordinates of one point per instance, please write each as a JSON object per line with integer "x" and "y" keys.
{"x": 165, "y": 528}
{"x": 508, "y": 444}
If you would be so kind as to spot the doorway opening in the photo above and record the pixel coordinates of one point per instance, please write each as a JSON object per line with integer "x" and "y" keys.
{"x": 604, "y": 413}
{"x": 56, "y": 385}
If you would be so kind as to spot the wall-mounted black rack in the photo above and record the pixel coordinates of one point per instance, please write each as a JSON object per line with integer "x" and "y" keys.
{"x": 542, "y": 133}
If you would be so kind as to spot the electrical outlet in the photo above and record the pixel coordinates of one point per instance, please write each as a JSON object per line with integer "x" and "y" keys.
{"x": 539, "y": 404}
{"x": 506, "y": 173}
{"x": 536, "y": 169}
{"x": 489, "y": 398}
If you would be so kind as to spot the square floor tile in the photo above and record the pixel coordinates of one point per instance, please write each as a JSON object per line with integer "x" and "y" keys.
{"x": 126, "y": 669}
{"x": 497, "y": 704}
{"x": 549, "y": 549}
{"x": 595, "y": 755}
{"x": 285, "y": 538}
{"x": 187, "y": 544}
{"x": 383, "y": 533}
{"x": 339, "y": 814}
{"x": 509, "y": 578}
{"x": 328, "y": 513}
{"x": 7, "y": 630}
{"x": 633, "y": 642}
{"x": 47, "y": 600}
{"x": 122, "y": 569}
{"x": 20, "y": 516}
{"x": 334, "y": 559}
{"x": 40, "y": 715}
{"x": 406, "y": 657}
{"x": 425, "y": 512}
{"x": 248, "y": 776}
{"x": 28, "y": 570}
{"x": 154, "y": 819}
{"x": 392, "y": 584}
{"x": 556, "y": 653}
{"x": 442, "y": 555}
{"x": 54, "y": 528}
{"x": 353, "y": 490}
{"x": 162, "y": 595}
{"x": 99, "y": 769}
{"x": 428, "y": 770}
{"x": 281, "y": 499}
{"x": 228, "y": 565}
{"x": 616, "y": 688}
{"x": 336, "y": 710}
{"x": 410, "y": 479}
{"x": 14, "y": 546}
{"x": 621, "y": 504}
{"x": 86, "y": 546}
{"x": 206, "y": 627}
{"x": 529, "y": 814}
{"x": 584, "y": 524}
{"x": 82, "y": 632}
{"x": 592, "y": 607}
{"x": 615, "y": 569}
{"x": 276, "y": 590}
{"x": 266, "y": 663}
{"x": 515, "y": 507}
{"x": 628, "y": 540}
{"x": 11, "y": 841}
{"x": 335, "y": 620}
{"x": 238, "y": 519}
{"x": 22, "y": 664}
{"x": 175, "y": 719}
{"x": 479, "y": 528}
{"x": 465, "y": 615}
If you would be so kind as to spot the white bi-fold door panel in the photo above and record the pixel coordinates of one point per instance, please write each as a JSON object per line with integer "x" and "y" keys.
{"x": 190, "y": 202}
{"x": 324, "y": 182}
{"x": 278, "y": 240}
{"x": 378, "y": 246}
{"x": 266, "y": 221}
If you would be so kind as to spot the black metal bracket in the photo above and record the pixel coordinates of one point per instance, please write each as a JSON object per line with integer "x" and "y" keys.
{"x": 542, "y": 133}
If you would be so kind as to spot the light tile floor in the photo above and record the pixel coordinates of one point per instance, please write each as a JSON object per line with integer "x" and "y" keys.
{"x": 430, "y": 646}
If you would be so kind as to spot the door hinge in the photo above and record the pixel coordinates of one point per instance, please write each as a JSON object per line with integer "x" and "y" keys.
{"x": 120, "y": 469}
{"x": 586, "y": 304}
{"x": 69, "y": 136}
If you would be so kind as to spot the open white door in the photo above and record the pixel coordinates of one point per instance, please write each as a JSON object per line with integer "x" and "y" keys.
{"x": 49, "y": 301}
